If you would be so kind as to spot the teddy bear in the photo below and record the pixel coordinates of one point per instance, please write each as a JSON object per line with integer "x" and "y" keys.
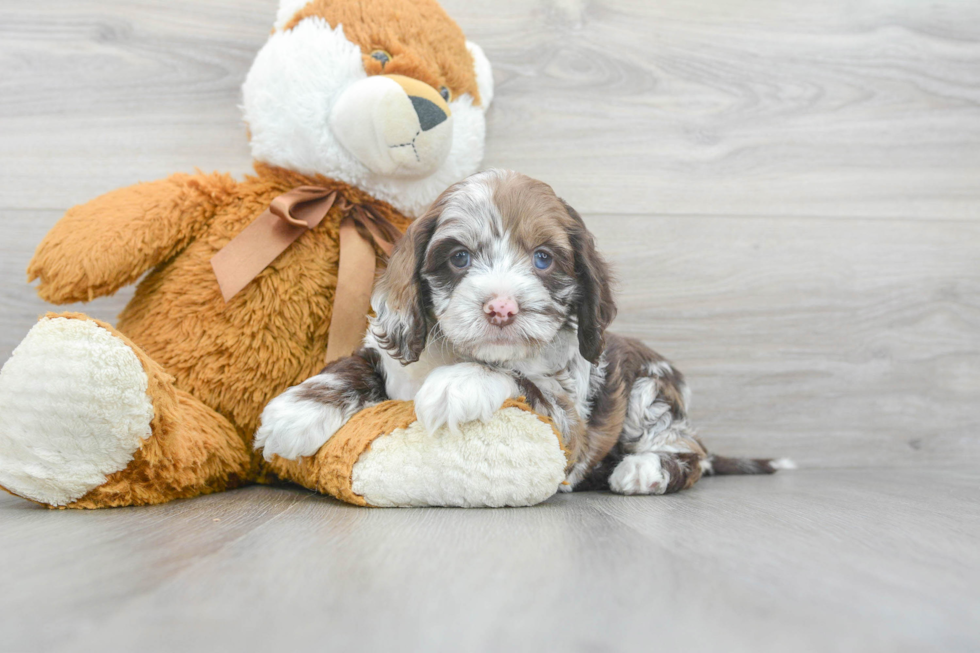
{"x": 359, "y": 113}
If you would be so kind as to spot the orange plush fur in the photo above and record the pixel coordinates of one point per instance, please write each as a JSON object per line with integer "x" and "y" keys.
{"x": 212, "y": 366}
{"x": 420, "y": 40}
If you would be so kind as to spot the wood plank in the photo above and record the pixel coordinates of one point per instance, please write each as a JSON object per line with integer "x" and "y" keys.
{"x": 834, "y": 342}
{"x": 635, "y": 107}
{"x": 97, "y": 97}
{"x": 840, "y": 560}
{"x": 748, "y": 108}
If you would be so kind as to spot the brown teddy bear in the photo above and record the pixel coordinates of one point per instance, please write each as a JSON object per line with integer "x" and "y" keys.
{"x": 359, "y": 114}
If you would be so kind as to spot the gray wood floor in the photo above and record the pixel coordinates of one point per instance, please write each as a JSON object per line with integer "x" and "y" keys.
{"x": 820, "y": 560}
{"x": 790, "y": 193}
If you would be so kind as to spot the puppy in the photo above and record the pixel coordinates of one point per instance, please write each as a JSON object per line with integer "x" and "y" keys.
{"x": 496, "y": 292}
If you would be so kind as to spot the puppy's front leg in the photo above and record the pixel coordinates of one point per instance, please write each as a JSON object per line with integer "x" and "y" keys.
{"x": 300, "y": 420}
{"x": 460, "y": 393}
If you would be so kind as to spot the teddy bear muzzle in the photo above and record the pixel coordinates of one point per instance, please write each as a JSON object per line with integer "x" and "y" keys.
{"x": 395, "y": 125}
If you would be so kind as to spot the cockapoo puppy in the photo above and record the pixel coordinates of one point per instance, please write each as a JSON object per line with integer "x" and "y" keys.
{"x": 497, "y": 292}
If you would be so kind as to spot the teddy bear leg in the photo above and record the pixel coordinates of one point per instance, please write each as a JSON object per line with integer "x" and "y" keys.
{"x": 200, "y": 453}
{"x": 383, "y": 456}
{"x": 88, "y": 420}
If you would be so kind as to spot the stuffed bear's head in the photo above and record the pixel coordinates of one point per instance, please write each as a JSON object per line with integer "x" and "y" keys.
{"x": 386, "y": 95}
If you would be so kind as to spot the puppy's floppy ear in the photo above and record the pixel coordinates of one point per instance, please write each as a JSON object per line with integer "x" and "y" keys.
{"x": 400, "y": 300}
{"x": 596, "y": 308}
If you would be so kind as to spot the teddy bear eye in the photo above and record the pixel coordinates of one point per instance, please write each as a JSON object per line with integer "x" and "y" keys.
{"x": 382, "y": 56}
{"x": 445, "y": 93}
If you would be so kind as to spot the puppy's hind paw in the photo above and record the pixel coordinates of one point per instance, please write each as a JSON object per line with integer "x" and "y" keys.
{"x": 639, "y": 474}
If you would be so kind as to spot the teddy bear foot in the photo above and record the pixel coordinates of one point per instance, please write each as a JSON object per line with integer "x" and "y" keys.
{"x": 74, "y": 408}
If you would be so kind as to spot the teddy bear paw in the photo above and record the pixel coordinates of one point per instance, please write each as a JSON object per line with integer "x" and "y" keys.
{"x": 73, "y": 409}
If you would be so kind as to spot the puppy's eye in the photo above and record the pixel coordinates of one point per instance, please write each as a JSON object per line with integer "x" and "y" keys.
{"x": 445, "y": 93}
{"x": 460, "y": 259}
{"x": 382, "y": 56}
{"x": 542, "y": 259}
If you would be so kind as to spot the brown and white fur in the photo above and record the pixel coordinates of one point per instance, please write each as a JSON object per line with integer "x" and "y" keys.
{"x": 496, "y": 292}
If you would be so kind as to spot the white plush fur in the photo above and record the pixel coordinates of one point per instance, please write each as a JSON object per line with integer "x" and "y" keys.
{"x": 73, "y": 409}
{"x": 288, "y": 99}
{"x": 375, "y": 121}
{"x": 484, "y": 73}
{"x": 287, "y": 9}
{"x": 513, "y": 460}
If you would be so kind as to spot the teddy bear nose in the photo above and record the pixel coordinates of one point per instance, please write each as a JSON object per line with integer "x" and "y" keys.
{"x": 501, "y": 311}
{"x": 428, "y": 112}
{"x": 395, "y": 125}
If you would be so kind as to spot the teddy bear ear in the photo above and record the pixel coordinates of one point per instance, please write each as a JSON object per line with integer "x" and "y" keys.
{"x": 484, "y": 74}
{"x": 287, "y": 9}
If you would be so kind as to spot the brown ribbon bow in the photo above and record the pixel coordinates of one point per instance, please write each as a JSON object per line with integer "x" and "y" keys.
{"x": 288, "y": 217}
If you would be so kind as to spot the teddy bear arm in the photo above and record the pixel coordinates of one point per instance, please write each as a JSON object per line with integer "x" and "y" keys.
{"x": 100, "y": 246}
{"x": 383, "y": 456}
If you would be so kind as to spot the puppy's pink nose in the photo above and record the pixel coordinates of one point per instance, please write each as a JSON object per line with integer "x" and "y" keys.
{"x": 501, "y": 310}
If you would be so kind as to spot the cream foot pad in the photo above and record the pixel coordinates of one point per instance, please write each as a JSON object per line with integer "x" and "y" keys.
{"x": 73, "y": 409}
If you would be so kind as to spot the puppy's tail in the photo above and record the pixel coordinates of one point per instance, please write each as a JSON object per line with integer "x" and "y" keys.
{"x": 721, "y": 465}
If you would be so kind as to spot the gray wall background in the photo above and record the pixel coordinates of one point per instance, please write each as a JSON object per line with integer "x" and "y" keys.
{"x": 790, "y": 192}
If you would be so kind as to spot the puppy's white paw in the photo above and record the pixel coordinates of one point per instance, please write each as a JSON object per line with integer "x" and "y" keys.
{"x": 639, "y": 474}
{"x": 461, "y": 393}
{"x": 300, "y": 420}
